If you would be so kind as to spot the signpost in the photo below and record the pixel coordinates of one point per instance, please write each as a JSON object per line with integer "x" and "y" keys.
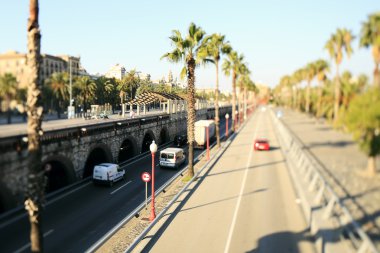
{"x": 146, "y": 178}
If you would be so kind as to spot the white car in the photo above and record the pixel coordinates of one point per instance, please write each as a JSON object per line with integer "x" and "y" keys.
{"x": 107, "y": 173}
{"x": 172, "y": 157}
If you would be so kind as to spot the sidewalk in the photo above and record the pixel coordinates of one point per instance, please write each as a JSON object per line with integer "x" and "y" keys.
{"x": 244, "y": 203}
{"x": 344, "y": 167}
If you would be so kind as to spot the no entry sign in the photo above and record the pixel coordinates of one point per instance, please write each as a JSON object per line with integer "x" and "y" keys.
{"x": 145, "y": 177}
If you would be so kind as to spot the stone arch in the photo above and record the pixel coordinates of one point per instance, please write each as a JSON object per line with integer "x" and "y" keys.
{"x": 99, "y": 153}
{"x": 164, "y": 135}
{"x": 59, "y": 171}
{"x": 147, "y": 140}
{"x": 128, "y": 149}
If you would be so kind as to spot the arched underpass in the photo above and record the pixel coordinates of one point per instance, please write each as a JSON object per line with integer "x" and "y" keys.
{"x": 127, "y": 150}
{"x": 59, "y": 172}
{"x": 99, "y": 154}
{"x": 148, "y": 138}
{"x": 164, "y": 136}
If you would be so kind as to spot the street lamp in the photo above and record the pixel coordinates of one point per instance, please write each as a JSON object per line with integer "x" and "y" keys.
{"x": 153, "y": 150}
{"x": 207, "y": 144}
{"x": 227, "y": 117}
{"x": 236, "y": 119}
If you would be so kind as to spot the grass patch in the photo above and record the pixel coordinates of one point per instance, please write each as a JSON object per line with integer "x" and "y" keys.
{"x": 186, "y": 179}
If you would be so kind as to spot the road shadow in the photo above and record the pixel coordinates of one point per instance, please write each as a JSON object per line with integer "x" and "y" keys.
{"x": 242, "y": 169}
{"x": 330, "y": 144}
{"x": 284, "y": 242}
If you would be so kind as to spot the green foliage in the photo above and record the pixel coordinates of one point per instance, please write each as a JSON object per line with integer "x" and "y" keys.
{"x": 363, "y": 121}
{"x": 8, "y": 86}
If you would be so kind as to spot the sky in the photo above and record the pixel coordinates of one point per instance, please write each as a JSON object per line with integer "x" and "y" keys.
{"x": 276, "y": 36}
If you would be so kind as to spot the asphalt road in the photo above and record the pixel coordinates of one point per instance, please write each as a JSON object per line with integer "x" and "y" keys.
{"x": 73, "y": 222}
{"x": 245, "y": 203}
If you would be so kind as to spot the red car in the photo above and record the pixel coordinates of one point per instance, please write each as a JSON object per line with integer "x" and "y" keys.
{"x": 261, "y": 144}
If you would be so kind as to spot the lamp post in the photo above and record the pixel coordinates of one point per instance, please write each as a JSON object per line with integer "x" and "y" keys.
{"x": 236, "y": 119}
{"x": 153, "y": 150}
{"x": 227, "y": 117}
{"x": 207, "y": 144}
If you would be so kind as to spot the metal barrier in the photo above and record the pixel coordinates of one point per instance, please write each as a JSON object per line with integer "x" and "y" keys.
{"x": 329, "y": 219}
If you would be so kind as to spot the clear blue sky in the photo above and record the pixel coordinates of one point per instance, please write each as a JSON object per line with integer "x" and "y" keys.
{"x": 276, "y": 36}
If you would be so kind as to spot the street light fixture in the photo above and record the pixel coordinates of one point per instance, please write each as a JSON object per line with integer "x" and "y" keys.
{"x": 153, "y": 150}
{"x": 227, "y": 117}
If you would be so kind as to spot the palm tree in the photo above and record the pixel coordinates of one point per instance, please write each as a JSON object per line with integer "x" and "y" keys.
{"x": 338, "y": 42}
{"x": 186, "y": 51}
{"x": 8, "y": 90}
{"x": 321, "y": 67}
{"x": 233, "y": 64}
{"x": 58, "y": 83}
{"x": 35, "y": 185}
{"x": 297, "y": 77}
{"x": 130, "y": 82}
{"x": 370, "y": 37}
{"x": 214, "y": 46}
{"x": 86, "y": 88}
{"x": 310, "y": 74}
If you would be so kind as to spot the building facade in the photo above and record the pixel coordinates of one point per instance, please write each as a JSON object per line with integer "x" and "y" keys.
{"x": 15, "y": 63}
{"x": 117, "y": 71}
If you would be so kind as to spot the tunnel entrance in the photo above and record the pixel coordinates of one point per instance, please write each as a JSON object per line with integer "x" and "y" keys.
{"x": 127, "y": 150}
{"x": 163, "y": 136}
{"x": 57, "y": 175}
{"x": 148, "y": 138}
{"x": 97, "y": 155}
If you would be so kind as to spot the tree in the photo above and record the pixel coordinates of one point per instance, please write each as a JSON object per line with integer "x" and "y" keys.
{"x": 338, "y": 42}
{"x": 232, "y": 65}
{"x": 310, "y": 74}
{"x": 58, "y": 83}
{"x": 214, "y": 46}
{"x": 363, "y": 121}
{"x": 370, "y": 37}
{"x": 35, "y": 181}
{"x": 8, "y": 90}
{"x": 298, "y": 76}
{"x": 321, "y": 67}
{"x": 186, "y": 51}
{"x": 85, "y": 90}
{"x": 130, "y": 82}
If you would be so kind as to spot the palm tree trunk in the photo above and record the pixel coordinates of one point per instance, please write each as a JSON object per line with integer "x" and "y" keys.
{"x": 371, "y": 165}
{"x": 217, "y": 132}
{"x": 337, "y": 96}
{"x": 376, "y": 75}
{"x": 319, "y": 105}
{"x": 191, "y": 112}
{"x": 35, "y": 185}
{"x": 307, "y": 107}
{"x": 9, "y": 112}
{"x": 233, "y": 101}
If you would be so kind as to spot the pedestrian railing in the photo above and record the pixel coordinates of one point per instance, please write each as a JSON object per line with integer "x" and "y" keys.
{"x": 329, "y": 220}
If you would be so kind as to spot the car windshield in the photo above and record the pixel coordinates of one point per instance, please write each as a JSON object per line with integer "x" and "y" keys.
{"x": 262, "y": 141}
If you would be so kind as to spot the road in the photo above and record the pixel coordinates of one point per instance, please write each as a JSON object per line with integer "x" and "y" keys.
{"x": 245, "y": 203}
{"x": 75, "y": 221}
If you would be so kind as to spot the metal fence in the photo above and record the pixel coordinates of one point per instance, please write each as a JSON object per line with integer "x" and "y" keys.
{"x": 329, "y": 220}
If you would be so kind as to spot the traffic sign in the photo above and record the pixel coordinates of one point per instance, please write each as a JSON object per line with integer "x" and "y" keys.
{"x": 145, "y": 177}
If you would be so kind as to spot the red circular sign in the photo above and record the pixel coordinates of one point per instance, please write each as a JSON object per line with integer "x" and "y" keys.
{"x": 145, "y": 177}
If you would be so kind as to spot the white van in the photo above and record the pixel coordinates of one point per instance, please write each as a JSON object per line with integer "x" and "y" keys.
{"x": 107, "y": 173}
{"x": 172, "y": 157}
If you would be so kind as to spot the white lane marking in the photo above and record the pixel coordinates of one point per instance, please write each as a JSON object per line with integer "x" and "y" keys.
{"x": 26, "y": 246}
{"x": 4, "y": 224}
{"x": 237, "y": 207}
{"x": 67, "y": 193}
{"x": 120, "y": 187}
